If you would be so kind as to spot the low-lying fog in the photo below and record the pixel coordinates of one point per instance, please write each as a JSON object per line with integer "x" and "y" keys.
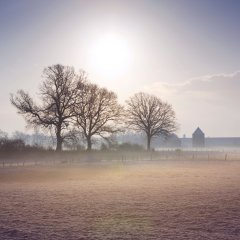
{"x": 165, "y": 200}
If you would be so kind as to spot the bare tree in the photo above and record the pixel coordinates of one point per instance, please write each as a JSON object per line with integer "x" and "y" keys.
{"x": 58, "y": 95}
{"x": 150, "y": 115}
{"x": 97, "y": 112}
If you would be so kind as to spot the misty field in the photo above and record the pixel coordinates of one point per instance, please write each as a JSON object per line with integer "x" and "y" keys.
{"x": 161, "y": 200}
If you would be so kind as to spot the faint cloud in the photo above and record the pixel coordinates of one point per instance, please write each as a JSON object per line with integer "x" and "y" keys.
{"x": 222, "y": 88}
{"x": 211, "y": 102}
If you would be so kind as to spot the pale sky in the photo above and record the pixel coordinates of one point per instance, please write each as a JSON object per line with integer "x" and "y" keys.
{"x": 186, "y": 52}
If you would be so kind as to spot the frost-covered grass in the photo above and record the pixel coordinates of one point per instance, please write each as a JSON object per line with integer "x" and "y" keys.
{"x": 165, "y": 200}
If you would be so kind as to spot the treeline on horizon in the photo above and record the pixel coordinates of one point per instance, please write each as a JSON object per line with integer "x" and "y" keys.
{"x": 73, "y": 109}
{"x": 21, "y": 142}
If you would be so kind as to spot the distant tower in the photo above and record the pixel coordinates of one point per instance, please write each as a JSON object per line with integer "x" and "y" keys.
{"x": 198, "y": 138}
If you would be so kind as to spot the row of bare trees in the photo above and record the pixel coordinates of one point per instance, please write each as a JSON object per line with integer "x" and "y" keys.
{"x": 68, "y": 101}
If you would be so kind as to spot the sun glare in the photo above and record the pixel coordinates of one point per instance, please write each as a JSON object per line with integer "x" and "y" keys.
{"x": 110, "y": 56}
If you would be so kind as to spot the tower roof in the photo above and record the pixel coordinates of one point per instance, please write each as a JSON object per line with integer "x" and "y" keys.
{"x": 198, "y": 131}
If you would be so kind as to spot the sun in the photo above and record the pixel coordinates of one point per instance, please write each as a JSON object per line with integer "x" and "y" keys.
{"x": 110, "y": 56}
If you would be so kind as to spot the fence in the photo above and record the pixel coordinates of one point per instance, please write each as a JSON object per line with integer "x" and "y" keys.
{"x": 22, "y": 160}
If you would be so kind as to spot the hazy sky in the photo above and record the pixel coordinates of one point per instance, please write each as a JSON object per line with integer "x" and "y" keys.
{"x": 185, "y": 51}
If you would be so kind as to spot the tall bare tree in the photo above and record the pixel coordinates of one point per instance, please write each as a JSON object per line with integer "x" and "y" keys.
{"x": 150, "y": 115}
{"x": 58, "y": 94}
{"x": 97, "y": 112}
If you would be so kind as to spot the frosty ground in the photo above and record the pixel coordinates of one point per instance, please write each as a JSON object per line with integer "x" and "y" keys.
{"x": 160, "y": 200}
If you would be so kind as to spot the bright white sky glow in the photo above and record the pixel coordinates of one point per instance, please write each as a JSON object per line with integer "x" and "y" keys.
{"x": 110, "y": 56}
{"x": 167, "y": 48}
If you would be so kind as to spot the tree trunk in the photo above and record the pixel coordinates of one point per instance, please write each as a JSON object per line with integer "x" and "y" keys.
{"x": 89, "y": 144}
{"x": 59, "y": 145}
{"x": 59, "y": 140}
{"x": 148, "y": 142}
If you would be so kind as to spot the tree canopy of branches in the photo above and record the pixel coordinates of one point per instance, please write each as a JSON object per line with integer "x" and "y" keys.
{"x": 58, "y": 94}
{"x": 97, "y": 112}
{"x": 150, "y": 115}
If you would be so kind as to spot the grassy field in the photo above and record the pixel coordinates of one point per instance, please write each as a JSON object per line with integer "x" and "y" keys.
{"x": 164, "y": 200}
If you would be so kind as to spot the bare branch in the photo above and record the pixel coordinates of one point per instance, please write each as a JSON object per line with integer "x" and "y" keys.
{"x": 98, "y": 112}
{"x": 58, "y": 94}
{"x": 151, "y": 115}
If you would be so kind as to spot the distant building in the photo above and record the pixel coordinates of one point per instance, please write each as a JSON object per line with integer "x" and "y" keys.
{"x": 198, "y": 138}
{"x": 219, "y": 142}
{"x": 186, "y": 142}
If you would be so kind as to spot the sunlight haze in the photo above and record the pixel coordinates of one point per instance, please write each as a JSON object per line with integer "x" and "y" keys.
{"x": 185, "y": 52}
